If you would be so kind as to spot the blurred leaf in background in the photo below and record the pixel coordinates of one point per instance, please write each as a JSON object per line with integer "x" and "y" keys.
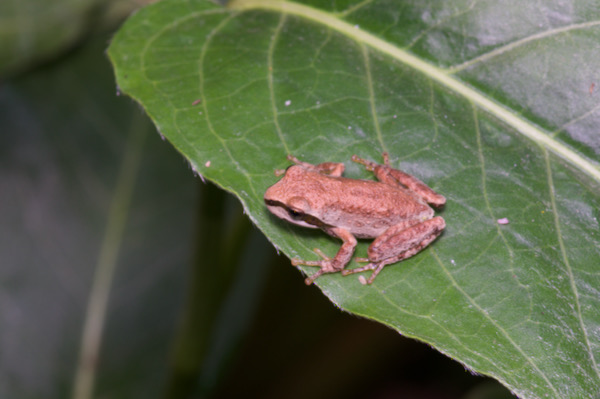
{"x": 67, "y": 144}
{"x": 32, "y": 31}
{"x": 74, "y": 156}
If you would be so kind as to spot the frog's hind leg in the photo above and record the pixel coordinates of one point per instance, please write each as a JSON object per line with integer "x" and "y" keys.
{"x": 394, "y": 177}
{"x": 394, "y": 246}
{"x": 376, "y": 267}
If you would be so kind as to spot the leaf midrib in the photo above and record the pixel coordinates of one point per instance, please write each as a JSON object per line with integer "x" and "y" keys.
{"x": 443, "y": 77}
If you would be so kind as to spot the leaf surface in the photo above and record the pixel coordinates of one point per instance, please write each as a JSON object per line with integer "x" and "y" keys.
{"x": 492, "y": 104}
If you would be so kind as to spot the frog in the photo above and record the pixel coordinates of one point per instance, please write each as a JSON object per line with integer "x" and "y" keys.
{"x": 396, "y": 211}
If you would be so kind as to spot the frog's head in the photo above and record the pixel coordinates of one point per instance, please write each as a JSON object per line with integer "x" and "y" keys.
{"x": 287, "y": 199}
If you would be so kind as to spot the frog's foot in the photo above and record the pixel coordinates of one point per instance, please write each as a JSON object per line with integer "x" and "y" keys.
{"x": 370, "y": 165}
{"x": 325, "y": 265}
{"x": 377, "y": 267}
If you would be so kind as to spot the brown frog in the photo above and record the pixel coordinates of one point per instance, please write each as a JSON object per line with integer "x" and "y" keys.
{"x": 393, "y": 210}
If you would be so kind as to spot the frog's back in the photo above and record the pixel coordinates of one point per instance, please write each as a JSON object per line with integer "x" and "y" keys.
{"x": 367, "y": 208}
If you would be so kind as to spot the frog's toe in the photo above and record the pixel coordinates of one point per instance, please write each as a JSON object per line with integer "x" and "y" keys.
{"x": 321, "y": 254}
{"x": 298, "y": 262}
{"x": 370, "y": 266}
{"x": 325, "y": 268}
{"x": 310, "y": 279}
{"x": 376, "y": 271}
{"x": 375, "y": 267}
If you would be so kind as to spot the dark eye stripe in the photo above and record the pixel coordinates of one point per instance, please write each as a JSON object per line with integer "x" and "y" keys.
{"x": 295, "y": 214}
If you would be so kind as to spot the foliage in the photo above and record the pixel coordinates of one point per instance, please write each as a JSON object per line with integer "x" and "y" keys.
{"x": 493, "y": 104}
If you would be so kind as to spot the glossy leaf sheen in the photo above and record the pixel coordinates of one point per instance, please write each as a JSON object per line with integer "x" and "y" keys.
{"x": 493, "y": 104}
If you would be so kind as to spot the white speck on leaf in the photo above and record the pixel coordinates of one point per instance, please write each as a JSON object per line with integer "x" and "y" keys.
{"x": 503, "y": 221}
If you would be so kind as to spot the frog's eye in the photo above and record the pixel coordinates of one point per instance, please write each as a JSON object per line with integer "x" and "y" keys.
{"x": 295, "y": 214}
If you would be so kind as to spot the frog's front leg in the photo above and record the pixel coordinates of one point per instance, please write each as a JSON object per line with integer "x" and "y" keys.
{"x": 399, "y": 242}
{"x": 329, "y": 265}
{"x": 333, "y": 169}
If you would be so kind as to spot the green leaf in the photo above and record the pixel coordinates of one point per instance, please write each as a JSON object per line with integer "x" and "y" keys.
{"x": 492, "y": 104}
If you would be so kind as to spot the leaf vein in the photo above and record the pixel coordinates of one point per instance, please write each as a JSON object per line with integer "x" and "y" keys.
{"x": 521, "y": 42}
{"x": 354, "y": 8}
{"x": 496, "y": 325}
{"x": 373, "y": 110}
{"x": 270, "y": 70}
{"x": 563, "y": 251}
